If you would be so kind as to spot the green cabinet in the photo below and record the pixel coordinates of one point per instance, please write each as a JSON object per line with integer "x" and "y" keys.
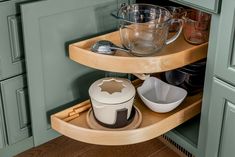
{"x": 221, "y": 128}
{"x": 221, "y": 116}
{"x": 207, "y": 5}
{"x": 15, "y": 129}
{"x": 15, "y": 125}
{"x": 11, "y": 52}
{"x": 225, "y": 52}
{"x": 55, "y": 82}
{"x": 16, "y": 109}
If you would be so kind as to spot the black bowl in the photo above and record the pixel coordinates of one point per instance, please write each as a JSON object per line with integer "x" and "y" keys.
{"x": 192, "y": 82}
{"x": 197, "y": 66}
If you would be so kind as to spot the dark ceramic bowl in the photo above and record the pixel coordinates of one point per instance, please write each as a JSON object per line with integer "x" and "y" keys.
{"x": 179, "y": 76}
{"x": 190, "y": 77}
{"x": 197, "y": 66}
{"x": 186, "y": 79}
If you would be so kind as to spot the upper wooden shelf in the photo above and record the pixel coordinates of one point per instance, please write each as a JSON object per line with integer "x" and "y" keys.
{"x": 153, "y": 124}
{"x": 175, "y": 55}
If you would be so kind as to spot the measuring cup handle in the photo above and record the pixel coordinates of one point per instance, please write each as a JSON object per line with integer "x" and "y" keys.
{"x": 172, "y": 39}
{"x": 116, "y": 13}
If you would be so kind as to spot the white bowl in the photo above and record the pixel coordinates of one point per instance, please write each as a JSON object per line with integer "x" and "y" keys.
{"x": 160, "y": 96}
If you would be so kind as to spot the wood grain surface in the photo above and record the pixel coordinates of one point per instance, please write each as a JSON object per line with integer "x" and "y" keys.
{"x": 172, "y": 56}
{"x": 66, "y": 147}
{"x": 153, "y": 124}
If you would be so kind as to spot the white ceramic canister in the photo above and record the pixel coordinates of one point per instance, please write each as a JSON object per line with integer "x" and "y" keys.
{"x": 109, "y": 95}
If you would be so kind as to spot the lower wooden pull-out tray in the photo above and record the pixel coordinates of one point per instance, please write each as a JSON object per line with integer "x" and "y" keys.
{"x": 153, "y": 124}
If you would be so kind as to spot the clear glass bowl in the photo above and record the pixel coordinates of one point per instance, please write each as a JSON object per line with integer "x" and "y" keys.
{"x": 177, "y": 13}
{"x": 144, "y": 28}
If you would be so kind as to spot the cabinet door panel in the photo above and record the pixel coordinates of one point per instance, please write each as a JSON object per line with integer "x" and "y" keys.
{"x": 227, "y": 136}
{"x": 11, "y": 52}
{"x": 16, "y": 109}
{"x": 220, "y": 138}
{"x": 207, "y": 5}
{"x": 225, "y": 53}
{"x": 54, "y": 80}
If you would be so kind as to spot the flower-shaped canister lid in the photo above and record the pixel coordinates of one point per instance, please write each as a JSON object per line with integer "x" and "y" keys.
{"x": 112, "y": 90}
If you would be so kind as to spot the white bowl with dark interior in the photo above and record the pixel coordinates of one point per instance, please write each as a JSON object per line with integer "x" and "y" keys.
{"x": 112, "y": 100}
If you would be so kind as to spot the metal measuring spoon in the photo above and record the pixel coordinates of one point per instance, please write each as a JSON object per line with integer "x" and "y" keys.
{"x": 109, "y": 48}
{"x": 106, "y": 47}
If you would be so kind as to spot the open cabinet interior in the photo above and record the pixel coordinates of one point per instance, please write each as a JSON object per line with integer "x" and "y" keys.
{"x": 59, "y": 78}
{"x": 186, "y": 131}
{"x": 187, "y": 134}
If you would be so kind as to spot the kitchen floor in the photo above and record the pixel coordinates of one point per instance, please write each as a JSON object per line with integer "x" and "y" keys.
{"x": 66, "y": 147}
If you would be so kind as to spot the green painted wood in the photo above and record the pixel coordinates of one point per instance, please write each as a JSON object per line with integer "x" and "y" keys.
{"x": 54, "y": 80}
{"x": 206, "y": 104}
{"x": 2, "y": 135}
{"x": 225, "y": 52}
{"x": 227, "y": 141}
{"x": 16, "y": 108}
{"x": 221, "y": 116}
{"x": 212, "y": 6}
{"x": 11, "y": 52}
{"x": 19, "y": 147}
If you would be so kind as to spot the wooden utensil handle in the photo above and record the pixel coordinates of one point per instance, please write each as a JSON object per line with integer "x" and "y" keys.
{"x": 75, "y": 113}
{"x": 71, "y": 117}
{"x": 79, "y": 109}
{"x": 82, "y": 108}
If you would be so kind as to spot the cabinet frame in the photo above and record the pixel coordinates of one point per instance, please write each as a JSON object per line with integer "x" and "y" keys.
{"x": 225, "y": 52}
{"x": 212, "y": 6}
{"x": 2, "y": 127}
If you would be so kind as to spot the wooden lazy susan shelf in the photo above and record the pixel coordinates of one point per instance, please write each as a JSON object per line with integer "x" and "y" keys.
{"x": 175, "y": 55}
{"x": 153, "y": 124}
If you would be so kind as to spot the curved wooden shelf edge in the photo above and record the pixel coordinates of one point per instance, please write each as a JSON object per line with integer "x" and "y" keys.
{"x": 124, "y": 137}
{"x": 152, "y": 64}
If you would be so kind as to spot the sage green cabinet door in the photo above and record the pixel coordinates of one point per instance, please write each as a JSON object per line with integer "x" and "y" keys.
{"x": 11, "y": 45}
{"x": 55, "y": 82}
{"x": 221, "y": 126}
{"x": 207, "y": 5}
{"x": 16, "y": 109}
{"x": 225, "y": 53}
